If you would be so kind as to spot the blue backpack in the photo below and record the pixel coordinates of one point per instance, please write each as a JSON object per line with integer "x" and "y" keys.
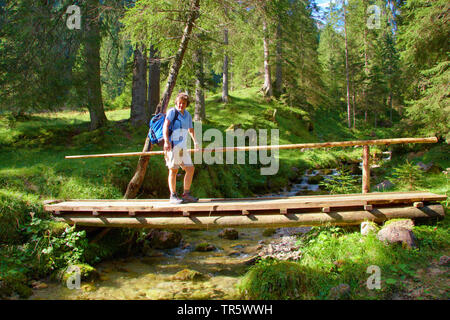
{"x": 156, "y": 134}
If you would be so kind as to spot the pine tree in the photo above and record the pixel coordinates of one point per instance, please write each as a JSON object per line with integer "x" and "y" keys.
{"x": 424, "y": 46}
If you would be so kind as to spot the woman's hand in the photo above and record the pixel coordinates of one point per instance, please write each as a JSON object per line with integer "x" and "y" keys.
{"x": 196, "y": 147}
{"x": 167, "y": 147}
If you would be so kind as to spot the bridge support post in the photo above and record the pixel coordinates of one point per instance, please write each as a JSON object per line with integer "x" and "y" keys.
{"x": 366, "y": 170}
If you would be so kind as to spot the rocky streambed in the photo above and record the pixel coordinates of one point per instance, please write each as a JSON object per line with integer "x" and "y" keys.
{"x": 206, "y": 265}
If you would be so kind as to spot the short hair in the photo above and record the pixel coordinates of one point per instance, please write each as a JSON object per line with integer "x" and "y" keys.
{"x": 183, "y": 96}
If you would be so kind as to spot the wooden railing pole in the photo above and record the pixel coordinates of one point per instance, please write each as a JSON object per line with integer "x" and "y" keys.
{"x": 366, "y": 170}
{"x": 272, "y": 147}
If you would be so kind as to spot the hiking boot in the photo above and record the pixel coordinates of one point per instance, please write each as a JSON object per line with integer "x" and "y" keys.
{"x": 175, "y": 199}
{"x": 187, "y": 197}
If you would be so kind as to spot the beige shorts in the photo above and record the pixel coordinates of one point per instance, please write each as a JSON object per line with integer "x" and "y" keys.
{"x": 177, "y": 158}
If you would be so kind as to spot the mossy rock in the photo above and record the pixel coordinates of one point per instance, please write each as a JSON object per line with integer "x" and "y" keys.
{"x": 229, "y": 233}
{"x": 189, "y": 275}
{"x": 204, "y": 247}
{"x": 405, "y": 223}
{"x": 87, "y": 273}
{"x": 164, "y": 239}
{"x": 269, "y": 232}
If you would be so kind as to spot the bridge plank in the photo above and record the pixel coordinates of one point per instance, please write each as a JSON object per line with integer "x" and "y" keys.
{"x": 308, "y": 202}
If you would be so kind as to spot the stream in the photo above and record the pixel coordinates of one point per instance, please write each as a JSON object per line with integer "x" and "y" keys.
{"x": 154, "y": 276}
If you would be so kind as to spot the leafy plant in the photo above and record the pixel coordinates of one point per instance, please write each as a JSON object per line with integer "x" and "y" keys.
{"x": 52, "y": 250}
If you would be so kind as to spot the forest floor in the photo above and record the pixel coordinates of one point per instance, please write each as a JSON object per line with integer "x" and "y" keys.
{"x": 33, "y": 169}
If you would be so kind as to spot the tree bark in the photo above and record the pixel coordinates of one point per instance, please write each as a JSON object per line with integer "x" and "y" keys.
{"x": 154, "y": 78}
{"x": 347, "y": 72}
{"x": 199, "y": 85}
{"x": 139, "y": 114}
{"x": 138, "y": 178}
{"x": 93, "y": 82}
{"x": 366, "y": 66}
{"x": 391, "y": 105}
{"x": 279, "y": 63}
{"x": 225, "y": 97}
{"x": 354, "y": 108}
{"x": 267, "y": 87}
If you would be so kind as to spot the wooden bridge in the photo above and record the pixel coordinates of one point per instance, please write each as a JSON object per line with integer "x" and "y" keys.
{"x": 250, "y": 212}
{"x": 351, "y": 209}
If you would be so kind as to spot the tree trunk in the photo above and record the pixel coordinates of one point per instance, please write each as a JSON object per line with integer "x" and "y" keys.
{"x": 139, "y": 114}
{"x": 92, "y": 52}
{"x": 354, "y": 108}
{"x": 199, "y": 85}
{"x": 279, "y": 63}
{"x": 366, "y": 68}
{"x": 225, "y": 97}
{"x": 138, "y": 178}
{"x": 230, "y": 74}
{"x": 154, "y": 78}
{"x": 347, "y": 72}
{"x": 267, "y": 87}
{"x": 391, "y": 105}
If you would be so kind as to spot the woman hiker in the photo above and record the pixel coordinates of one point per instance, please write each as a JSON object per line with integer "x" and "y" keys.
{"x": 175, "y": 148}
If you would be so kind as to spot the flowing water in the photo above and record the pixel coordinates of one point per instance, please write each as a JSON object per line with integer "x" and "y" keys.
{"x": 152, "y": 277}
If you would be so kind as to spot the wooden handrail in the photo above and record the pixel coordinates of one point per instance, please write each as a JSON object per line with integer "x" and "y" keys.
{"x": 270, "y": 147}
{"x": 364, "y": 143}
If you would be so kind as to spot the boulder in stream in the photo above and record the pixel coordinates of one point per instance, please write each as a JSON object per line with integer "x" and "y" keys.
{"x": 204, "y": 247}
{"x": 87, "y": 273}
{"x": 162, "y": 239}
{"x": 229, "y": 233}
{"x": 189, "y": 275}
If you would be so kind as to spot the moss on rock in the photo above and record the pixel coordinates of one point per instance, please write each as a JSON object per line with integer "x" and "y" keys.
{"x": 87, "y": 273}
{"x": 269, "y": 232}
{"x": 189, "y": 275}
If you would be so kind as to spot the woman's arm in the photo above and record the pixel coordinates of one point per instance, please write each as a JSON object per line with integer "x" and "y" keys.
{"x": 167, "y": 145}
{"x": 192, "y": 134}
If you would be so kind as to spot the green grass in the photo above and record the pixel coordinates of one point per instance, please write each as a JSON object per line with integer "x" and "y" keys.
{"x": 333, "y": 256}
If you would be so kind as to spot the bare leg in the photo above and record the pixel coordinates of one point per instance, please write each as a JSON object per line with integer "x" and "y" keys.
{"x": 173, "y": 180}
{"x": 188, "y": 177}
